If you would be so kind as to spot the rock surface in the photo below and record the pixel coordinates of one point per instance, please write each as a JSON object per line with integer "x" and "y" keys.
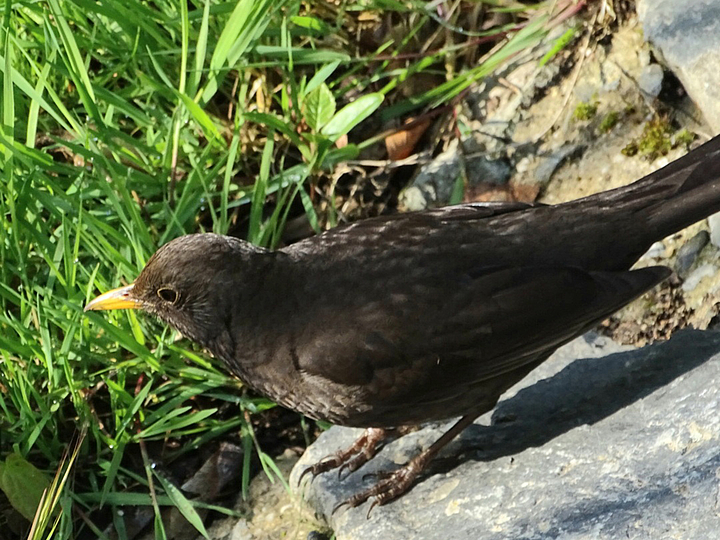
{"x": 687, "y": 35}
{"x": 601, "y": 442}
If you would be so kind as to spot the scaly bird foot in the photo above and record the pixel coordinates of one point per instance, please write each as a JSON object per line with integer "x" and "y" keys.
{"x": 354, "y": 456}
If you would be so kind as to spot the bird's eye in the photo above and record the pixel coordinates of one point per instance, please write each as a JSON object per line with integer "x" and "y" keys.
{"x": 168, "y": 295}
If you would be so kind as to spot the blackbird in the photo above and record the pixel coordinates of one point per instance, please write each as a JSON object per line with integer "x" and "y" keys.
{"x": 409, "y": 318}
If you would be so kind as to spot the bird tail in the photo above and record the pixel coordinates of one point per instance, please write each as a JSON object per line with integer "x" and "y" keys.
{"x": 674, "y": 197}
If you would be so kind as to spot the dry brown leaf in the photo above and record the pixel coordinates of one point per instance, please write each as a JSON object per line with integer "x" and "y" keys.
{"x": 401, "y": 144}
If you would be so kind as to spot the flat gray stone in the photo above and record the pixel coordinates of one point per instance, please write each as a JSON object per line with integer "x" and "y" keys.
{"x": 600, "y": 442}
{"x": 687, "y": 36}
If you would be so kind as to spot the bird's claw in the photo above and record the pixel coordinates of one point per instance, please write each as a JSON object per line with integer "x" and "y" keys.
{"x": 351, "y": 458}
{"x": 343, "y": 467}
{"x": 327, "y": 463}
{"x": 390, "y": 487}
{"x": 338, "y": 506}
{"x": 356, "y": 462}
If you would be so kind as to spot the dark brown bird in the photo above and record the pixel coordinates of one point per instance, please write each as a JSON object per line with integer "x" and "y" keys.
{"x": 410, "y": 318}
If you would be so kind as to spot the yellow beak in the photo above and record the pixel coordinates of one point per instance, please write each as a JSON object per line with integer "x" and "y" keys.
{"x": 120, "y": 298}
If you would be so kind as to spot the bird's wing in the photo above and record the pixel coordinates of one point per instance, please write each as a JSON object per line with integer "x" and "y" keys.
{"x": 363, "y": 235}
{"x": 458, "y": 212}
{"x": 435, "y": 340}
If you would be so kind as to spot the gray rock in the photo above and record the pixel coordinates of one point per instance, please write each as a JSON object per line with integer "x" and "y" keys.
{"x": 548, "y": 164}
{"x": 687, "y": 36}
{"x": 600, "y": 442}
{"x": 435, "y": 182}
{"x": 689, "y": 251}
{"x": 697, "y": 275}
{"x": 650, "y": 80}
{"x": 480, "y": 169}
{"x": 714, "y": 224}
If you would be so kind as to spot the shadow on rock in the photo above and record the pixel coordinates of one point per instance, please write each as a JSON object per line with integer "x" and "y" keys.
{"x": 585, "y": 392}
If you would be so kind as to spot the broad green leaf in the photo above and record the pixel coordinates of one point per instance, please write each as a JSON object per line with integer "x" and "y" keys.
{"x": 351, "y": 115}
{"x": 319, "y": 107}
{"x": 23, "y": 484}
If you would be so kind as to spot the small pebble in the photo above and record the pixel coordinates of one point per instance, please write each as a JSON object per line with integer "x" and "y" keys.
{"x": 412, "y": 199}
{"x": 523, "y": 165}
{"x": 689, "y": 251}
{"x": 650, "y": 80}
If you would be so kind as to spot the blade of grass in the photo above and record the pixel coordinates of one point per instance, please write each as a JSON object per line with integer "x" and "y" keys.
{"x": 258, "y": 201}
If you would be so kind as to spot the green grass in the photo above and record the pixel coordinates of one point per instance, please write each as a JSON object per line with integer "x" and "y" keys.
{"x": 126, "y": 124}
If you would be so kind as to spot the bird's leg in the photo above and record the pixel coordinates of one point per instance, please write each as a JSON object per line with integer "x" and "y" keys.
{"x": 393, "y": 484}
{"x": 354, "y": 456}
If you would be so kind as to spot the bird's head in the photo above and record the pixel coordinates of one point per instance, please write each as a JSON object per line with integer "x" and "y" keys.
{"x": 190, "y": 283}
